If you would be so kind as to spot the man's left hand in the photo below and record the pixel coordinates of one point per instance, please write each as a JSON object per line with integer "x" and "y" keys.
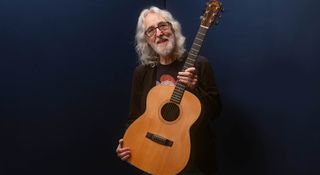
{"x": 188, "y": 77}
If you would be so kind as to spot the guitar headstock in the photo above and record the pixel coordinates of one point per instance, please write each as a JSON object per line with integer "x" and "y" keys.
{"x": 212, "y": 12}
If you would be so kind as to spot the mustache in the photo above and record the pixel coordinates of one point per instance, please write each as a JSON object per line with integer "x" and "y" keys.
{"x": 161, "y": 39}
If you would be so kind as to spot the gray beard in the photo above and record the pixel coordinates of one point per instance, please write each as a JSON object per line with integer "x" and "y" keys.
{"x": 167, "y": 50}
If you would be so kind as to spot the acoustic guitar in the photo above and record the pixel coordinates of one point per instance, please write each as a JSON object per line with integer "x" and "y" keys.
{"x": 159, "y": 139}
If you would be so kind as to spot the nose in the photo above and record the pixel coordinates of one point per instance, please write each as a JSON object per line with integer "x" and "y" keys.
{"x": 158, "y": 32}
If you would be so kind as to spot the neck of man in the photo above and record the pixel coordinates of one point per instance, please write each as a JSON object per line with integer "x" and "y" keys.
{"x": 165, "y": 60}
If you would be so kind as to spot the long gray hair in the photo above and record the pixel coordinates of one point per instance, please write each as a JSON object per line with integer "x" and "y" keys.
{"x": 146, "y": 54}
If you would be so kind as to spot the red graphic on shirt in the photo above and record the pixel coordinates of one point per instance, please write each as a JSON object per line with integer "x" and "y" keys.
{"x": 167, "y": 79}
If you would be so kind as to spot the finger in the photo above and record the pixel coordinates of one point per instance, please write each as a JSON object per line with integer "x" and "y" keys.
{"x": 195, "y": 78}
{"x": 185, "y": 79}
{"x": 193, "y": 83}
{"x": 125, "y": 157}
{"x": 120, "y": 145}
{"x": 191, "y": 69}
{"x": 186, "y": 74}
{"x": 124, "y": 153}
{"x": 121, "y": 142}
{"x": 189, "y": 82}
{"x": 125, "y": 149}
{"x": 121, "y": 150}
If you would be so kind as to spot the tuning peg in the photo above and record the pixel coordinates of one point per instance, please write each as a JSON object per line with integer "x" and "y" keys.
{"x": 201, "y": 17}
{"x": 222, "y": 9}
{"x": 216, "y": 22}
{"x": 207, "y": 5}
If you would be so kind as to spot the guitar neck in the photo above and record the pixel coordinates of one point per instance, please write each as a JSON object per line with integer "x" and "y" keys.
{"x": 192, "y": 56}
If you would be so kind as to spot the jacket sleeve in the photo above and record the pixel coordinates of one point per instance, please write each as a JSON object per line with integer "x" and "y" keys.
{"x": 207, "y": 90}
{"x": 136, "y": 94}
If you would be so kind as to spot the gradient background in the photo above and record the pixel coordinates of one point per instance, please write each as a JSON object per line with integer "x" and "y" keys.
{"x": 65, "y": 77}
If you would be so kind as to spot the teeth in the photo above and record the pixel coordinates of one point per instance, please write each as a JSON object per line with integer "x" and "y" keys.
{"x": 161, "y": 41}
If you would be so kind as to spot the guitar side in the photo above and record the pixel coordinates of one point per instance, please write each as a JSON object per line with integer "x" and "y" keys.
{"x": 151, "y": 156}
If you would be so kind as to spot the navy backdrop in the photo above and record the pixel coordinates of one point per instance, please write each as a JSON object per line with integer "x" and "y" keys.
{"x": 65, "y": 75}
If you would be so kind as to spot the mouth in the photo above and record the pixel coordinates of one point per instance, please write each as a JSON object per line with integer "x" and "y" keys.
{"x": 162, "y": 40}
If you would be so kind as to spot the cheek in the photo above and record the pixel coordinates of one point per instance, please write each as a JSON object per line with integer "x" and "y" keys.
{"x": 169, "y": 34}
{"x": 151, "y": 40}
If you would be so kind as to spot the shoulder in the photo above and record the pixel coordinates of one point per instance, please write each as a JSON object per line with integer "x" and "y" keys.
{"x": 202, "y": 61}
{"x": 142, "y": 70}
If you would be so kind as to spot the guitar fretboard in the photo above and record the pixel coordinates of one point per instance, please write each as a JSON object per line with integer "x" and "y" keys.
{"x": 192, "y": 56}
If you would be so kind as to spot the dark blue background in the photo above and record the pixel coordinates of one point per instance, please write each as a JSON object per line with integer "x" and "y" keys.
{"x": 65, "y": 76}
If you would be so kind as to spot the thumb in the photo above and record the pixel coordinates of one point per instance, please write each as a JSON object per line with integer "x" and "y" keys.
{"x": 121, "y": 143}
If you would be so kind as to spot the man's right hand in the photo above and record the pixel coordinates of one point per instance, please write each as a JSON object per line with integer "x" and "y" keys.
{"x": 123, "y": 153}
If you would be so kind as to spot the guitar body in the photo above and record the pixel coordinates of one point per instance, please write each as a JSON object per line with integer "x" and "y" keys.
{"x": 160, "y": 146}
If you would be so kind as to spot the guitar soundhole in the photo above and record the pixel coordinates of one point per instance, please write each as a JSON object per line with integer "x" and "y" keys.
{"x": 170, "y": 111}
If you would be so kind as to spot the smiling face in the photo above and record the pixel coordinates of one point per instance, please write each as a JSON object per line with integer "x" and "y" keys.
{"x": 162, "y": 41}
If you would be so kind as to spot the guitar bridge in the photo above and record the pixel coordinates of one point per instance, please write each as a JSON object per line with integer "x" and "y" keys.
{"x": 159, "y": 139}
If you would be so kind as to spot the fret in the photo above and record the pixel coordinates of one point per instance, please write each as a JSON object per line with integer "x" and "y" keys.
{"x": 196, "y": 46}
{"x": 201, "y": 33}
{"x": 196, "y": 50}
{"x": 175, "y": 98}
{"x": 180, "y": 85}
{"x": 178, "y": 91}
{"x": 193, "y": 54}
{"x": 193, "y": 51}
{"x": 186, "y": 67}
{"x": 204, "y": 27}
{"x": 199, "y": 39}
{"x": 189, "y": 64}
{"x": 175, "y": 101}
{"x": 175, "y": 95}
{"x": 189, "y": 61}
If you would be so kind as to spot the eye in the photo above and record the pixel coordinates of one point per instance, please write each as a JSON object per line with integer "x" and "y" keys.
{"x": 163, "y": 25}
{"x": 150, "y": 30}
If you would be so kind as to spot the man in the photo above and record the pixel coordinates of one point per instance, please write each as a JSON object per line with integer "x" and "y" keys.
{"x": 160, "y": 45}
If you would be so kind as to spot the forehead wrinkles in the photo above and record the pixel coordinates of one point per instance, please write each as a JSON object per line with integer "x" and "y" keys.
{"x": 152, "y": 19}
